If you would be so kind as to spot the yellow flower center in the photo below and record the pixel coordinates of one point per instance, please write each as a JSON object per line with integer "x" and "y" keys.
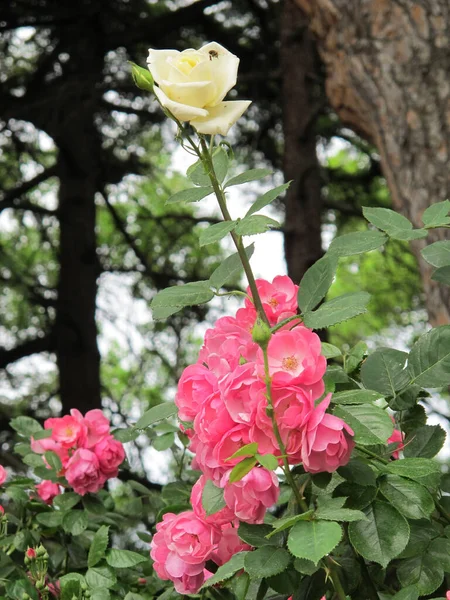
{"x": 273, "y": 302}
{"x": 186, "y": 62}
{"x": 290, "y": 363}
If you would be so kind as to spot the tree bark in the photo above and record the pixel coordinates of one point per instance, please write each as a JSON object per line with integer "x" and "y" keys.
{"x": 387, "y": 64}
{"x": 303, "y": 202}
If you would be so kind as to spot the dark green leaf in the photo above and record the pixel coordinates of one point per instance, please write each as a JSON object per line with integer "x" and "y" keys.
{"x": 230, "y": 268}
{"x": 288, "y": 522}
{"x": 285, "y": 582}
{"x": 394, "y": 224}
{"x": 26, "y": 426}
{"x": 246, "y": 176}
{"x": 413, "y": 418}
{"x": 422, "y": 571}
{"x": 190, "y": 195}
{"x": 437, "y": 254}
{"x": 98, "y": 546}
{"x": 406, "y": 399}
{"x": 75, "y": 522}
{"x": 423, "y": 470}
{"x": 409, "y": 497}
{"x": 198, "y": 175}
{"x": 123, "y": 559}
{"x": 235, "y": 564}
{"x": 50, "y": 519}
{"x": 371, "y": 424}
{"x": 337, "y": 310}
{"x": 383, "y": 536}
{"x": 255, "y": 535}
{"x": 267, "y": 198}
{"x": 356, "y": 397}
{"x": 100, "y": 577}
{"x": 94, "y": 505}
{"x": 256, "y": 224}
{"x": 314, "y": 539}
{"x": 429, "y": 359}
{"x": 439, "y": 549}
{"x": 216, "y": 232}
{"x": 53, "y": 460}
{"x": 353, "y": 359}
{"x": 331, "y": 509}
{"x": 305, "y": 566}
{"x": 157, "y": 413}
{"x": 358, "y": 496}
{"x": 442, "y": 275}
{"x": 316, "y": 282}
{"x": 266, "y": 561}
{"x": 66, "y": 501}
{"x": 212, "y": 498}
{"x": 436, "y": 215}
{"x": 425, "y": 441}
{"x": 357, "y": 243}
{"x": 407, "y": 593}
{"x": 385, "y": 371}
{"x": 358, "y": 472}
{"x": 188, "y": 294}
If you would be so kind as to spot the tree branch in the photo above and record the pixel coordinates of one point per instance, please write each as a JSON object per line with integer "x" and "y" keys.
{"x": 11, "y": 198}
{"x": 34, "y": 346}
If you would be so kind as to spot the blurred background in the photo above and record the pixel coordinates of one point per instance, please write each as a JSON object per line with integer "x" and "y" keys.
{"x": 87, "y": 161}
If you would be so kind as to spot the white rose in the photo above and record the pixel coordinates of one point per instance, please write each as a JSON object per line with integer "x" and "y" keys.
{"x": 193, "y": 83}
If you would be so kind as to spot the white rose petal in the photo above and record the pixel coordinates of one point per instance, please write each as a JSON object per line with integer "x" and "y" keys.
{"x": 192, "y": 94}
{"x": 160, "y": 67}
{"x": 220, "y": 117}
{"x": 183, "y": 112}
{"x": 224, "y": 68}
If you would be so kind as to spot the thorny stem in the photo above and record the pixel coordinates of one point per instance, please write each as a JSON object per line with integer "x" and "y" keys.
{"x": 340, "y": 593}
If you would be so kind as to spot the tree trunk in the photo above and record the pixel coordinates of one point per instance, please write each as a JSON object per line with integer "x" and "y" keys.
{"x": 299, "y": 63}
{"x": 387, "y": 65}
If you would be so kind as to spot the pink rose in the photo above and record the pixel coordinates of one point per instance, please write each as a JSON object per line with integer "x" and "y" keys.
{"x": 110, "y": 454}
{"x": 54, "y": 588}
{"x": 397, "y": 437}
{"x": 3, "y": 474}
{"x": 195, "y": 385}
{"x": 42, "y": 446}
{"x": 97, "y": 425}
{"x": 239, "y": 390}
{"x": 47, "y": 490}
{"x": 205, "y": 462}
{"x": 279, "y": 298}
{"x": 222, "y": 517}
{"x": 250, "y": 497}
{"x": 83, "y": 472}
{"x": 213, "y": 420}
{"x": 295, "y": 358}
{"x": 180, "y": 548}
{"x": 231, "y": 441}
{"x": 447, "y": 595}
{"x": 327, "y": 441}
{"x": 67, "y": 431}
{"x": 2, "y": 510}
{"x": 229, "y": 545}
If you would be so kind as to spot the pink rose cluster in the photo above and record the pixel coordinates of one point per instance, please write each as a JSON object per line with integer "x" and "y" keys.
{"x": 222, "y": 400}
{"x": 88, "y": 452}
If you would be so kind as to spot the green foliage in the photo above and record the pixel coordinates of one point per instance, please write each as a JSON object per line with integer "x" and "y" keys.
{"x": 314, "y": 539}
{"x": 337, "y": 310}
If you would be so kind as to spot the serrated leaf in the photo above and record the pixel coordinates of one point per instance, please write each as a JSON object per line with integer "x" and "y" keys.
{"x": 385, "y": 371}
{"x": 423, "y": 470}
{"x": 442, "y": 275}
{"x": 436, "y": 215}
{"x": 125, "y": 434}
{"x": 75, "y": 522}
{"x": 356, "y": 471}
{"x": 354, "y": 357}
{"x": 437, "y": 254}
{"x": 371, "y": 424}
{"x": 242, "y": 468}
{"x": 394, "y": 224}
{"x": 229, "y": 269}
{"x": 216, "y": 232}
{"x": 337, "y": 310}
{"x": 247, "y": 450}
{"x": 330, "y": 351}
{"x": 123, "y": 559}
{"x": 66, "y": 501}
{"x": 212, "y": 498}
{"x": 439, "y": 549}
{"x": 255, "y": 224}
{"x": 422, "y": 571}
{"x": 246, "y": 176}
{"x": 50, "y": 519}
{"x": 26, "y": 426}
{"x": 407, "y": 593}
{"x": 358, "y": 242}
{"x": 100, "y": 577}
{"x": 382, "y": 536}
{"x": 426, "y": 441}
{"x": 188, "y": 294}
{"x": 198, "y": 175}
{"x": 316, "y": 282}
{"x": 356, "y": 397}
{"x": 53, "y": 460}
{"x": 268, "y": 461}
{"x": 266, "y": 561}
{"x": 157, "y": 413}
{"x": 429, "y": 359}
{"x": 235, "y": 564}
{"x": 288, "y": 522}
{"x": 314, "y": 539}
{"x": 331, "y": 509}
{"x": 410, "y": 498}
{"x": 190, "y": 195}
{"x": 101, "y": 594}
{"x": 267, "y": 198}
{"x": 255, "y": 535}
{"x": 98, "y": 546}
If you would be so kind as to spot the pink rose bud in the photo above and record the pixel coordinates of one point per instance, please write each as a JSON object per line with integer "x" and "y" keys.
{"x": 83, "y": 472}
{"x": 3, "y": 474}
{"x": 142, "y": 581}
{"x": 30, "y": 553}
{"x": 47, "y": 490}
{"x": 327, "y": 441}
{"x": 397, "y": 437}
{"x": 250, "y": 497}
{"x": 2, "y": 510}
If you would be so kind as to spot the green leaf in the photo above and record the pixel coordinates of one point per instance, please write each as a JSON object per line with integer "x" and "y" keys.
{"x": 26, "y": 426}
{"x": 355, "y": 356}
{"x": 330, "y": 351}
{"x": 267, "y": 198}
{"x": 198, "y": 175}
{"x": 423, "y": 470}
{"x": 53, "y": 460}
{"x": 102, "y": 594}
{"x": 235, "y": 564}
{"x": 358, "y": 496}
{"x": 316, "y": 282}
{"x": 394, "y": 224}
{"x": 436, "y": 215}
{"x": 98, "y": 546}
{"x": 442, "y": 275}
{"x": 406, "y": 399}
{"x": 314, "y": 539}
{"x": 410, "y": 498}
{"x": 288, "y": 522}
{"x": 331, "y": 509}
{"x": 266, "y": 561}
{"x": 413, "y": 418}
{"x": 125, "y": 434}
{"x": 247, "y": 450}
{"x": 371, "y": 424}
{"x": 407, "y": 593}
{"x": 286, "y": 581}
{"x": 246, "y": 176}
{"x": 429, "y": 359}
{"x": 75, "y": 522}
{"x": 437, "y": 254}
{"x": 305, "y": 566}
{"x": 142, "y": 77}
{"x": 358, "y": 472}
{"x": 229, "y": 269}
{"x": 385, "y": 371}
{"x": 66, "y": 501}
{"x": 212, "y": 498}
{"x": 356, "y": 397}
{"x": 439, "y": 549}
{"x": 337, "y": 310}
{"x": 100, "y": 577}
{"x": 123, "y": 559}
{"x": 163, "y": 442}
{"x": 422, "y": 571}
{"x": 190, "y": 195}
{"x": 50, "y": 519}
{"x": 425, "y": 441}
{"x": 269, "y": 461}
{"x": 42, "y": 434}
{"x": 157, "y": 413}
{"x": 383, "y": 536}
{"x": 94, "y": 505}
{"x": 242, "y": 468}
{"x": 357, "y": 243}
{"x": 216, "y": 232}
{"x": 256, "y": 224}
{"x": 188, "y": 294}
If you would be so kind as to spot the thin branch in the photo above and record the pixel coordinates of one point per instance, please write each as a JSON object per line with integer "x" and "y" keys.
{"x": 11, "y": 198}
{"x": 34, "y": 346}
